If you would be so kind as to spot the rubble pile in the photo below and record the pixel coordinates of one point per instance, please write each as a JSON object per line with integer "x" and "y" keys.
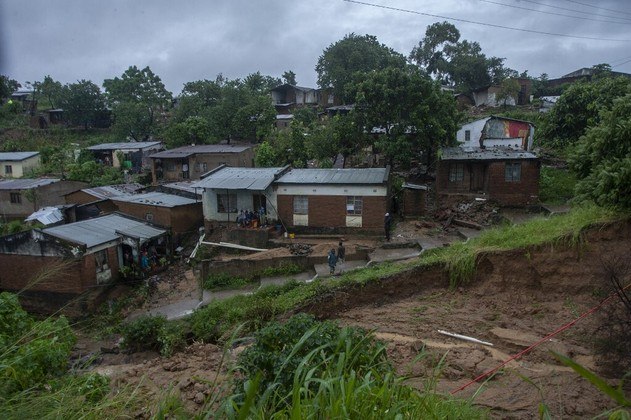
{"x": 300, "y": 249}
{"x": 474, "y": 214}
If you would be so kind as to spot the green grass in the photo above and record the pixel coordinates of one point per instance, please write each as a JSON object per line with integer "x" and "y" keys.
{"x": 556, "y": 186}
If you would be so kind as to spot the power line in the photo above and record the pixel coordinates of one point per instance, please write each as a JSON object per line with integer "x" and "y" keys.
{"x": 597, "y": 7}
{"x": 620, "y": 59}
{"x": 574, "y": 10}
{"x": 492, "y": 25}
{"x": 624, "y": 62}
{"x": 553, "y": 13}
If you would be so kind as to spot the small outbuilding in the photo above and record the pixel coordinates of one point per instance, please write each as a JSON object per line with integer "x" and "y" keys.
{"x": 17, "y": 164}
{"x": 132, "y": 155}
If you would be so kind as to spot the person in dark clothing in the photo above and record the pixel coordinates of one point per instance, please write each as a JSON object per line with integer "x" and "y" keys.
{"x": 341, "y": 254}
{"x": 332, "y": 260}
{"x": 387, "y": 224}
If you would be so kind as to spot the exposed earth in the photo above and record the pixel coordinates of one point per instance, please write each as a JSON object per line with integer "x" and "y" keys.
{"x": 516, "y": 299}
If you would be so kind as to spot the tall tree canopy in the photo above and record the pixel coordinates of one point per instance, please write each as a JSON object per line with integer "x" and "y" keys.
{"x": 49, "y": 89}
{"x": 7, "y": 86}
{"x": 289, "y": 77}
{"x": 354, "y": 53}
{"x": 449, "y": 60}
{"x": 415, "y": 114}
{"x": 82, "y": 102}
{"x": 136, "y": 97}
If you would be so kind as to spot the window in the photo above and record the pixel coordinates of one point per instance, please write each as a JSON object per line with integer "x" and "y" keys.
{"x": 467, "y": 135}
{"x": 149, "y": 217}
{"x": 202, "y": 167}
{"x": 226, "y": 203}
{"x": 301, "y": 204}
{"x": 100, "y": 259}
{"x": 456, "y": 172}
{"x": 16, "y": 198}
{"x": 170, "y": 166}
{"x": 354, "y": 205}
{"x": 512, "y": 172}
{"x": 8, "y": 169}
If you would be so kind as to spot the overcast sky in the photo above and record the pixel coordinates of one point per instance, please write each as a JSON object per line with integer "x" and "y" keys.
{"x": 193, "y": 39}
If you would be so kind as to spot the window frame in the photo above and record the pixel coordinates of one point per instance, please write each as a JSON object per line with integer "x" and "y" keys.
{"x": 357, "y": 201}
{"x": 512, "y": 171}
{"x": 467, "y": 135}
{"x": 456, "y": 172}
{"x": 99, "y": 268}
{"x": 15, "y": 198}
{"x": 301, "y": 204}
{"x": 8, "y": 169}
{"x": 226, "y": 200}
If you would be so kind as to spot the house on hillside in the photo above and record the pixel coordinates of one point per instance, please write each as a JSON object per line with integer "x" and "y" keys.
{"x": 17, "y": 164}
{"x": 503, "y": 174}
{"x": 21, "y": 197}
{"x": 286, "y": 98}
{"x": 333, "y": 198}
{"x": 92, "y": 202}
{"x": 182, "y": 215}
{"x": 183, "y": 188}
{"x": 585, "y": 73}
{"x": 191, "y": 162}
{"x": 487, "y": 95}
{"x": 69, "y": 266}
{"x": 495, "y": 131}
{"x": 128, "y": 155}
{"x": 227, "y": 191}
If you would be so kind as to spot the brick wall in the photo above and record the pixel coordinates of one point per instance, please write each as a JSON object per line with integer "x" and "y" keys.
{"x": 443, "y": 185}
{"x": 413, "y": 202}
{"x": 18, "y": 271}
{"x": 180, "y": 219}
{"x": 330, "y": 211}
{"x": 523, "y": 192}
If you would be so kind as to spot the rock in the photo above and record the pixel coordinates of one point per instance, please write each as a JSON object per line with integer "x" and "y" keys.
{"x": 199, "y": 387}
{"x": 199, "y": 398}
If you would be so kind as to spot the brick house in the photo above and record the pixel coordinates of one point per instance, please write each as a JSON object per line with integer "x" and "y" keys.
{"x": 333, "y": 198}
{"x": 21, "y": 197}
{"x": 134, "y": 154}
{"x": 191, "y": 162}
{"x": 180, "y": 214}
{"x": 508, "y": 176}
{"x": 70, "y": 265}
{"x": 17, "y": 164}
{"x": 91, "y": 202}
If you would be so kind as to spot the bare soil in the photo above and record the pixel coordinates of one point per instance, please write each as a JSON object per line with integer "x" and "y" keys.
{"x": 516, "y": 298}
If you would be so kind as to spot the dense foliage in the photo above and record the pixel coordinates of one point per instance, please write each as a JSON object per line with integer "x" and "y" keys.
{"x": 30, "y": 351}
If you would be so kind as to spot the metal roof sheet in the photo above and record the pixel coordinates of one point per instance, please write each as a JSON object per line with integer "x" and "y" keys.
{"x": 17, "y": 156}
{"x": 187, "y": 186}
{"x": 257, "y": 179}
{"x": 476, "y": 153}
{"x": 109, "y": 191}
{"x": 93, "y": 232}
{"x": 335, "y": 176}
{"x": 26, "y": 183}
{"x": 47, "y": 216}
{"x": 130, "y": 145}
{"x": 199, "y": 149}
{"x": 155, "y": 198}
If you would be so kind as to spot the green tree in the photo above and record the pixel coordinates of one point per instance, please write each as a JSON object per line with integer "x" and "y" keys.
{"x": 509, "y": 88}
{"x": 7, "y": 86}
{"x": 579, "y": 107}
{"x": 449, "y": 60}
{"x": 602, "y": 159}
{"x": 136, "y": 98}
{"x": 289, "y": 77}
{"x": 416, "y": 116}
{"x": 354, "y": 53}
{"x": 50, "y": 89}
{"x": 82, "y": 102}
{"x": 193, "y": 130}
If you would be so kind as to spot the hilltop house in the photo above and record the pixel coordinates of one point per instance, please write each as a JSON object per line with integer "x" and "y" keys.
{"x": 487, "y": 95}
{"x": 17, "y": 164}
{"x": 495, "y": 131}
{"x": 129, "y": 155}
{"x": 191, "y": 162}
{"x": 68, "y": 266}
{"x": 21, "y": 197}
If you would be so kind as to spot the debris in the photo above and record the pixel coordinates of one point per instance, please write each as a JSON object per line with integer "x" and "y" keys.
{"x": 465, "y": 337}
{"x": 467, "y": 224}
{"x": 300, "y": 249}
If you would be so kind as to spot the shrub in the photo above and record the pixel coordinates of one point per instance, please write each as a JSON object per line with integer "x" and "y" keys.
{"x": 224, "y": 281}
{"x": 30, "y": 351}
{"x": 171, "y": 337}
{"x": 143, "y": 333}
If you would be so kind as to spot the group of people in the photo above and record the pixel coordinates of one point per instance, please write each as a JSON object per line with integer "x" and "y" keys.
{"x": 333, "y": 258}
{"x": 247, "y": 218}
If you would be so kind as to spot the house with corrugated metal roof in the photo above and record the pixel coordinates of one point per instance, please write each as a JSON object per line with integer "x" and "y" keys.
{"x": 21, "y": 197}
{"x": 495, "y": 131}
{"x": 132, "y": 155}
{"x": 71, "y": 265}
{"x": 299, "y": 198}
{"x": 18, "y": 164}
{"x": 191, "y": 162}
{"x": 333, "y": 199}
{"x": 506, "y": 175}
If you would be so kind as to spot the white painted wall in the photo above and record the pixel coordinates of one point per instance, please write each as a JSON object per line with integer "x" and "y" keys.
{"x": 244, "y": 202}
{"x": 19, "y": 167}
{"x": 475, "y": 127}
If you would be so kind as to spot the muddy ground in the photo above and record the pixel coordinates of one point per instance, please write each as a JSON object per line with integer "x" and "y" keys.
{"x": 517, "y": 298}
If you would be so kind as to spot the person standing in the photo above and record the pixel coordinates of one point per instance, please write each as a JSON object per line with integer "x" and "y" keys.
{"x": 387, "y": 224}
{"x": 332, "y": 260}
{"x": 341, "y": 255}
